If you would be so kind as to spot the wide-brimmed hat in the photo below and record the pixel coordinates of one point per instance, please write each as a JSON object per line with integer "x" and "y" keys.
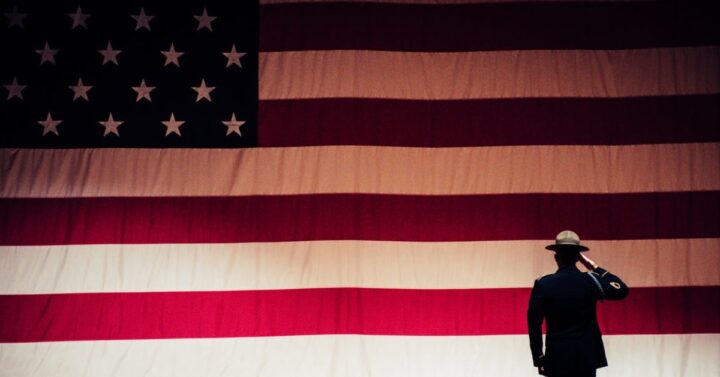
{"x": 567, "y": 240}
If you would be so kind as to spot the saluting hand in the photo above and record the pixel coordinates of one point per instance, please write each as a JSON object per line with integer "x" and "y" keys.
{"x": 587, "y": 262}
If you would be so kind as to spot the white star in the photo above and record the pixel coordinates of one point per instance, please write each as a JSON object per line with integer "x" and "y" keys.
{"x": 172, "y": 56}
{"x": 47, "y": 54}
{"x": 80, "y": 90}
{"x": 16, "y": 18}
{"x": 173, "y": 126}
{"x": 204, "y": 20}
{"x": 110, "y": 55}
{"x": 143, "y": 91}
{"x": 111, "y": 126}
{"x": 15, "y": 89}
{"x": 79, "y": 18}
{"x": 233, "y": 125}
{"x": 50, "y": 125}
{"x": 143, "y": 20}
{"x": 233, "y": 57}
{"x": 203, "y": 91}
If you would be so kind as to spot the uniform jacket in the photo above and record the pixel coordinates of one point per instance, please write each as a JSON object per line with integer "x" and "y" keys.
{"x": 566, "y": 301}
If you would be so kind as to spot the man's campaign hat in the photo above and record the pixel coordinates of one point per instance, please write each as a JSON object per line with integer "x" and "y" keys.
{"x": 567, "y": 240}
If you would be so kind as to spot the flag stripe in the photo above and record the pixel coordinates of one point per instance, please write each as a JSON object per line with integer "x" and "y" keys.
{"x": 350, "y": 169}
{"x": 356, "y": 216}
{"x": 157, "y": 315}
{"x": 455, "y": 123}
{"x": 491, "y": 74}
{"x": 478, "y": 27}
{"x": 437, "y": 2}
{"x": 690, "y": 355}
{"x": 347, "y": 263}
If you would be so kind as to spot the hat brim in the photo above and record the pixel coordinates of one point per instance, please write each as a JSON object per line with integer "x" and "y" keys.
{"x": 566, "y": 247}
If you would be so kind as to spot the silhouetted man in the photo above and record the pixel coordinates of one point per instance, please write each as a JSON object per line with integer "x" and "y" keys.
{"x": 566, "y": 301}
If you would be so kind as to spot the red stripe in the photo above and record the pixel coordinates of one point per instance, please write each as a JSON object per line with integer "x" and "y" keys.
{"x": 32, "y": 318}
{"x": 540, "y": 121}
{"x": 357, "y": 216}
{"x": 477, "y": 27}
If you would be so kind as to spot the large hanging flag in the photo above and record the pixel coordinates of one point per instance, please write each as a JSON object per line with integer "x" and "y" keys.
{"x": 320, "y": 188}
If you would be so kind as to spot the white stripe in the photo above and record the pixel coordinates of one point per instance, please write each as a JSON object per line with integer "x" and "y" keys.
{"x": 489, "y": 74}
{"x": 359, "y": 169}
{"x": 321, "y": 264}
{"x": 445, "y": 2}
{"x": 696, "y": 355}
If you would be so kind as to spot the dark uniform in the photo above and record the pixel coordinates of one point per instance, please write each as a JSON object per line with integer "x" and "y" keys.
{"x": 566, "y": 300}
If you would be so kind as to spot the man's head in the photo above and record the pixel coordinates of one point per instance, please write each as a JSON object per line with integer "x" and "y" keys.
{"x": 567, "y": 248}
{"x": 567, "y": 256}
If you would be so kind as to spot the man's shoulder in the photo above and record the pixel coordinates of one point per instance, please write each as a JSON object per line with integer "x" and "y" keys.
{"x": 557, "y": 277}
{"x": 544, "y": 279}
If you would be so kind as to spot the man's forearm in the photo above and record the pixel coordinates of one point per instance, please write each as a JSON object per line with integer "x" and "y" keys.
{"x": 535, "y": 316}
{"x": 536, "y": 347}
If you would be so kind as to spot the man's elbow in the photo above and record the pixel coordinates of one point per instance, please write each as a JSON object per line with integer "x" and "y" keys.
{"x": 618, "y": 293}
{"x": 624, "y": 293}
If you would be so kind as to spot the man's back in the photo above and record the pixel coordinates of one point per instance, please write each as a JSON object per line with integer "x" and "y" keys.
{"x": 567, "y": 301}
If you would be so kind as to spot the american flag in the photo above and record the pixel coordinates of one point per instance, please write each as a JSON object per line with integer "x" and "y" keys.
{"x": 322, "y": 188}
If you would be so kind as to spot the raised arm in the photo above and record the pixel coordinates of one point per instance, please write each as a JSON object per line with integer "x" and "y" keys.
{"x": 612, "y": 286}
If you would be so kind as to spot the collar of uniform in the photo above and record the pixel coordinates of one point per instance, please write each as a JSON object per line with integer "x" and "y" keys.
{"x": 563, "y": 269}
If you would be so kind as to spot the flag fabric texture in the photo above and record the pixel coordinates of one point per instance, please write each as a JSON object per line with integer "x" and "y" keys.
{"x": 356, "y": 188}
